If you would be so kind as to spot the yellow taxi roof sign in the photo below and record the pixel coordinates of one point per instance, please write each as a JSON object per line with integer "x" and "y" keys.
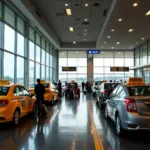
{"x": 4, "y": 82}
{"x": 135, "y": 81}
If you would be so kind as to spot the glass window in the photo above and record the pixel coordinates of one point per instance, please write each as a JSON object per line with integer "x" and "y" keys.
{"x": 62, "y": 54}
{"x": 144, "y": 57}
{"x": 9, "y": 69}
{"x": 128, "y": 54}
{"x": 98, "y": 77}
{"x": 20, "y": 25}
{"x": 31, "y": 73}
{"x": 43, "y": 56}
{"x": 1, "y": 34}
{"x": 81, "y": 78}
{"x": 107, "y": 70}
{"x": 24, "y": 91}
{"x": 43, "y": 43}
{"x": 129, "y": 62}
{"x": 4, "y": 90}
{"x": 0, "y": 9}
{"x": 98, "y": 62}
{"x": 98, "y": 69}
{"x": 9, "y": 39}
{"x": 63, "y": 77}
{"x": 81, "y": 61}
{"x": 47, "y": 59}
{"x": 20, "y": 70}
{"x": 43, "y": 72}
{"x": 31, "y": 34}
{"x": 37, "y": 70}
{"x": 31, "y": 50}
{"x": 119, "y": 62}
{"x": 20, "y": 44}
{"x": 72, "y": 61}
{"x": 18, "y": 92}
{"x": 51, "y": 74}
{"x": 108, "y": 62}
{"x": 63, "y": 62}
{"x": 82, "y": 69}
{"x": 119, "y": 54}
{"x": 148, "y": 56}
{"x": 51, "y": 61}
{"x": 72, "y": 77}
{"x": 47, "y": 73}
{"x": 9, "y": 16}
{"x": 37, "y": 39}
{"x": 38, "y": 54}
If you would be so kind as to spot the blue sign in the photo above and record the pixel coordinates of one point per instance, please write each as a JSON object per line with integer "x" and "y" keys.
{"x": 93, "y": 51}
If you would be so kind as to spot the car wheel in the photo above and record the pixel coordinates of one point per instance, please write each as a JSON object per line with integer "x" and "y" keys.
{"x": 106, "y": 113}
{"x": 119, "y": 128}
{"x": 16, "y": 117}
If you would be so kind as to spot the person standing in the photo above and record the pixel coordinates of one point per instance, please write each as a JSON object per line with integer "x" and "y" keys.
{"x": 60, "y": 88}
{"x": 83, "y": 84}
{"x": 39, "y": 92}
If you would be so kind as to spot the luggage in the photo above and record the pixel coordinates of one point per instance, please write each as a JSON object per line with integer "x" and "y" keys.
{"x": 43, "y": 109}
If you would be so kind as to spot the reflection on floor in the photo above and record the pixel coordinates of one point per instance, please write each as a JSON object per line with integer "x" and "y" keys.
{"x": 69, "y": 126}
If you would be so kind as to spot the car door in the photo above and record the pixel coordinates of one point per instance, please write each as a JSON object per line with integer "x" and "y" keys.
{"x": 27, "y": 99}
{"x": 110, "y": 103}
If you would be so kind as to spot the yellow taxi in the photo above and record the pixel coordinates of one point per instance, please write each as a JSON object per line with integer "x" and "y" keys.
{"x": 15, "y": 102}
{"x": 51, "y": 93}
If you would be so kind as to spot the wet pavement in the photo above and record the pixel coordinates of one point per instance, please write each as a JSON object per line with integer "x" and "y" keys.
{"x": 70, "y": 125}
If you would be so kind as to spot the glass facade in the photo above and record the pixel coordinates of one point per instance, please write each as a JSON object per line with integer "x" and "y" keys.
{"x": 24, "y": 58}
{"x": 107, "y": 59}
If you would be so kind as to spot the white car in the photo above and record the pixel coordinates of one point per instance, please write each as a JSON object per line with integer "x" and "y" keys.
{"x": 96, "y": 86}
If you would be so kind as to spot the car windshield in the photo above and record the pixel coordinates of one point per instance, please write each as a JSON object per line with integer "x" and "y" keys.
{"x": 111, "y": 86}
{"x": 4, "y": 90}
{"x": 139, "y": 91}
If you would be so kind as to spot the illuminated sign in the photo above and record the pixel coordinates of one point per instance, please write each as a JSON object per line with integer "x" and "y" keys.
{"x": 69, "y": 68}
{"x": 93, "y": 51}
{"x": 119, "y": 69}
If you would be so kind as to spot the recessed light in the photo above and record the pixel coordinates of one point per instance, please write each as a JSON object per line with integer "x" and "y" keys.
{"x": 137, "y": 43}
{"x": 85, "y": 30}
{"x": 118, "y": 43}
{"x": 120, "y": 19}
{"x": 85, "y": 34}
{"x": 119, "y": 52}
{"x": 112, "y": 30}
{"x": 86, "y": 5}
{"x": 84, "y": 39}
{"x": 130, "y": 30}
{"x": 148, "y": 13}
{"x": 74, "y": 42}
{"x": 131, "y": 46}
{"x": 66, "y": 4}
{"x": 104, "y": 42}
{"x": 101, "y": 46}
{"x": 112, "y": 48}
{"x": 62, "y": 53}
{"x": 135, "y": 4}
{"x": 109, "y": 37}
{"x": 142, "y": 38}
{"x": 71, "y": 29}
{"x": 76, "y": 52}
{"x": 85, "y": 19}
{"x": 68, "y": 11}
{"x": 103, "y": 52}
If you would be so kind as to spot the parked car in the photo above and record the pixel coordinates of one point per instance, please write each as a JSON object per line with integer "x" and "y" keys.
{"x": 104, "y": 91}
{"x": 129, "y": 106}
{"x": 96, "y": 86}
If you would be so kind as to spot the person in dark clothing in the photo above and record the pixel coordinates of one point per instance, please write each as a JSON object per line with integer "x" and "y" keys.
{"x": 59, "y": 88}
{"x": 39, "y": 92}
{"x": 83, "y": 84}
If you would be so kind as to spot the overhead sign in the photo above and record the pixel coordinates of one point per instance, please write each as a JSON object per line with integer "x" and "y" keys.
{"x": 93, "y": 51}
{"x": 119, "y": 69}
{"x": 69, "y": 68}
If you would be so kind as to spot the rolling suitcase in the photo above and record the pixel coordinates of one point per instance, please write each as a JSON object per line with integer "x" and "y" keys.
{"x": 43, "y": 109}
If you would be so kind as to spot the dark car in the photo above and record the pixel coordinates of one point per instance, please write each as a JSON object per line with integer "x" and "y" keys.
{"x": 104, "y": 91}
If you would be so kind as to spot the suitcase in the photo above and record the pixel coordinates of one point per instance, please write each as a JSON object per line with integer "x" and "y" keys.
{"x": 43, "y": 109}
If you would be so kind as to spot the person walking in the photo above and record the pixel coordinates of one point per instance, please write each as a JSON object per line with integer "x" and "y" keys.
{"x": 39, "y": 92}
{"x": 83, "y": 84}
{"x": 60, "y": 88}
{"x": 75, "y": 90}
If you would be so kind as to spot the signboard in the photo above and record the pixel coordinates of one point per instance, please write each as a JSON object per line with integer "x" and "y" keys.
{"x": 93, "y": 51}
{"x": 119, "y": 69}
{"x": 69, "y": 68}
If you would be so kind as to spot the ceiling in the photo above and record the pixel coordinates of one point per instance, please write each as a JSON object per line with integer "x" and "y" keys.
{"x": 102, "y": 19}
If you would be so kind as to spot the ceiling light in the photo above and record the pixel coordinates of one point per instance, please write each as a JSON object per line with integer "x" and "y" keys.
{"x": 119, "y": 52}
{"x": 85, "y": 30}
{"x": 142, "y": 38}
{"x": 85, "y": 34}
{"x": 86, "y": 5}
{"x": 137, "y": 43}
{"x": 135, "y": 4}
{"x": 74, "y": 42}
{"x": 84, "y": 39}
{"x": 112, "y": 48}
{"x": 109, "y": 37}
{"x": 66, "y": 4}
{"x": 76, "y": 52}
{"x": 62, "y": 53}
{"x": 148, "y": 13}
{"x": 101, "y": 46}
{"x": 130, "y": 30}
{"x": 71, "y": 29}
{"x": 68, "y": 11}
{"x": 103, "y": 52}
{"x": 85, "y": 19}
{"x": 104, "y": 42}
{"x": 118, "y": 43}
{"x": 120, "y": 19}
{"x": 112, "y": 30}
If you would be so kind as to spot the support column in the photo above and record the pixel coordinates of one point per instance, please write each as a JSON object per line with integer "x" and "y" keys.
{"x": 89, "y": 67}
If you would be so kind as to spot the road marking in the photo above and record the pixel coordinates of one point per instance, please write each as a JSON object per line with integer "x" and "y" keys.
{"x": 94, "y": 132}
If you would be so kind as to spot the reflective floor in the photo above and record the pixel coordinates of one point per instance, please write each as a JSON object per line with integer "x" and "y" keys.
{"x": 70, "y": 125}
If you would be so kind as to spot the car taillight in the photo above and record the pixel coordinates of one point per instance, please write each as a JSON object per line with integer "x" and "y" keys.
{"x": 105, "y": 92}
{"x": 4, "y": 102}
{"x": 130, "y": 105}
